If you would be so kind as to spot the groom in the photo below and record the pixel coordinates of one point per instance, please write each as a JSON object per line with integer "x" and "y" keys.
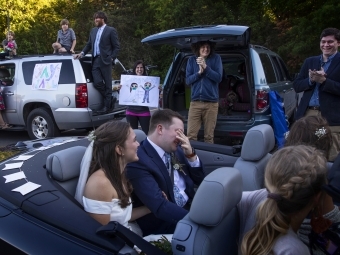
{"x": 163, "y": 178}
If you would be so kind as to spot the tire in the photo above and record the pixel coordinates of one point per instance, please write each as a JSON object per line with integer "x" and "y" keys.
{"x": 40, "y": 124}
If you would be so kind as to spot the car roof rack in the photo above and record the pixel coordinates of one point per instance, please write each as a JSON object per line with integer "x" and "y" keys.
{"x": 258, "y": 47}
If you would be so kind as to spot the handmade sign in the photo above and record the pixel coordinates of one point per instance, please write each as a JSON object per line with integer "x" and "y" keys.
{"x": 46, "y": 76}
{"x": 139, "y": 90}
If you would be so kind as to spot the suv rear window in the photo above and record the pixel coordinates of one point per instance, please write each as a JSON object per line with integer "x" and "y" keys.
{"x": 66, "y": 72}
{"x": 268, "y": 68}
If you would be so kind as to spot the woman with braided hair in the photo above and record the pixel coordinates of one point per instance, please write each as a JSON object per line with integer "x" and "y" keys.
{"x": 315, "y": 131}
{"x": 293, "y": 177}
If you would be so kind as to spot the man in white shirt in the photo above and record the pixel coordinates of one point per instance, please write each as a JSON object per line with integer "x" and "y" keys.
{"x": 164, "y": 177}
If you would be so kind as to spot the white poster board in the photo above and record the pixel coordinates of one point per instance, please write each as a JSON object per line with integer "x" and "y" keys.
{"x": 46, "y": 76}
{"x": 139, "y": 90}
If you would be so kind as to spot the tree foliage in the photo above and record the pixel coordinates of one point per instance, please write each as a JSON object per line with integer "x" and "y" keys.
{"x": 290, "y": 27}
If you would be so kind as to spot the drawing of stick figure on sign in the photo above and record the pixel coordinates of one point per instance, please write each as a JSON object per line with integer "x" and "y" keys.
{"x": 133, "y": 93}
{"x": 46, "y": 76}
{"x": 147, "y": 87}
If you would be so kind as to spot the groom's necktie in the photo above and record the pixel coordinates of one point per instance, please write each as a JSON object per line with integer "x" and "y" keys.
{"x": 167, "y": 162}
{"x": 180, "y": 200}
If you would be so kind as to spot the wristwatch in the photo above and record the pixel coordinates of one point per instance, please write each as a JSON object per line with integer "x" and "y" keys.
{"x": 193, "y": 153}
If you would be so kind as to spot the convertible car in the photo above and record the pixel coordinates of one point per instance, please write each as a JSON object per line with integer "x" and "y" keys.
{"x": 39, "y": 215}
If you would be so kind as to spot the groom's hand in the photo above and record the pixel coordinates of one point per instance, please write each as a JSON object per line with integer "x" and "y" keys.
{"x": 185, "y": 144}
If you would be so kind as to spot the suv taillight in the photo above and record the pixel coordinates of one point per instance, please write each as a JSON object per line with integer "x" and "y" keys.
{"x": 261, "y": 100}
{"x": 81, "y": 95}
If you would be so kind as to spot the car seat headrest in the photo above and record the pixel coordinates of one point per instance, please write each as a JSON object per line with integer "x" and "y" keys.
{"x": 217, "y": 195}
{"x": 64, "y": 165}
{"x": 140, "y": 135}
{"x": 258, "y": 142}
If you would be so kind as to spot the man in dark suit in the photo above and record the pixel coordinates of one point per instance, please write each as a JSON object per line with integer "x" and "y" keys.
{"x": 104, "y": 43}
{"x": 163, "y": 179}
{"x": 319, "y": 79}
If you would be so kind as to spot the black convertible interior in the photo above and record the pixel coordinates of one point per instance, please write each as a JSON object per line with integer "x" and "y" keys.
{"x": 53, "y": 204}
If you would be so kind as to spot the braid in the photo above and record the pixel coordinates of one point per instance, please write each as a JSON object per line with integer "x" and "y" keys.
{"x": 295, "y": 174}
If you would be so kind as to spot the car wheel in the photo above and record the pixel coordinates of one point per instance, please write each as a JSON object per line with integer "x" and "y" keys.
{"x": 40, "y": 124}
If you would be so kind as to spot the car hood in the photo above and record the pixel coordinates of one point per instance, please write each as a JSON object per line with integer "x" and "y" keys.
{"x": 182, "y": 38}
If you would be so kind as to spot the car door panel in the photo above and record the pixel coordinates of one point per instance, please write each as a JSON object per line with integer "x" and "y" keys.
{"x": 10, "y": 96}
{"x": 214, "y": 156}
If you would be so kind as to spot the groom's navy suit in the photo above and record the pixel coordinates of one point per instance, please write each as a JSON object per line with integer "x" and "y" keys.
{"x": 149, "y": 177}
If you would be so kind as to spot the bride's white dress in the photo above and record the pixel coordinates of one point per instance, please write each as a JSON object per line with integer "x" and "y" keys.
{"x": 121, "y": 215}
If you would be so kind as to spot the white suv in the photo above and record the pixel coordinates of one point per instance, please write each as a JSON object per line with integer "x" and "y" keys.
{"x": 43, "y": 113}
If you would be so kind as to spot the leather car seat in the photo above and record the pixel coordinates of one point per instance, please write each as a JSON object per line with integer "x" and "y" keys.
{"x": 257, "y": 144}
{"x": 212, "y": 224}
{"x": 140, "y": 135}
{"x": 64, "y": 167}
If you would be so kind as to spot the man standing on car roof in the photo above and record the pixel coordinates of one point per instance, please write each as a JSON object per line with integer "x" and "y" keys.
{"x": 319, "y": 79}
{"x": 204, "y": 72}
{"x": 104, "y": 43}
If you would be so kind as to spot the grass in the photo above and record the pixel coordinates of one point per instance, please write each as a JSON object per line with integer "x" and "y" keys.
{"x": 6, "y": 153}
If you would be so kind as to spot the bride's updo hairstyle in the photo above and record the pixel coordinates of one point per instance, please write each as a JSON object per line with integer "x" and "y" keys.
{"x": 313, "y": 131}
{"x": 105, "y": 139}
{"x": 293, "y": 177}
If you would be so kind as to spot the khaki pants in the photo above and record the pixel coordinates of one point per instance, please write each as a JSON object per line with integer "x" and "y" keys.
{"x": 335, "y": 147}
{"x": 205, "y": 112}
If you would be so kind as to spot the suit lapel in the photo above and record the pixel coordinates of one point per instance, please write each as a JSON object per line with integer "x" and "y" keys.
{"x": 334, "y": 64}
{"x": 152, "y": 153}
{"x": 102, "y": 35}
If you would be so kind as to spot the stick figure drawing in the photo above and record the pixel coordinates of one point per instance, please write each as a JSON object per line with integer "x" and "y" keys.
{"x": 147, "y": 87}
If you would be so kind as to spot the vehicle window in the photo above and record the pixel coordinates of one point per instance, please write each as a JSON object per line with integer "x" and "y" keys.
{"x": 86, "y": 64}
{"x": 277, "y": 68}
{"x": 66, "y": 72}
{"x": 268, "y": 68}
{"x": 286, "y": 75}
{"x": 231, "y": 66}
{"x": 7, "y": 73}
{"x": 87, "y": 68}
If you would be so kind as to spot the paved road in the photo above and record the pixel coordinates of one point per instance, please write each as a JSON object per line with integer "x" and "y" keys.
{"x": 12, "y": 137}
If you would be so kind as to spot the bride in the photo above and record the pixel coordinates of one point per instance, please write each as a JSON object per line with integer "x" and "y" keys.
{"x": 102, "y": 188}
